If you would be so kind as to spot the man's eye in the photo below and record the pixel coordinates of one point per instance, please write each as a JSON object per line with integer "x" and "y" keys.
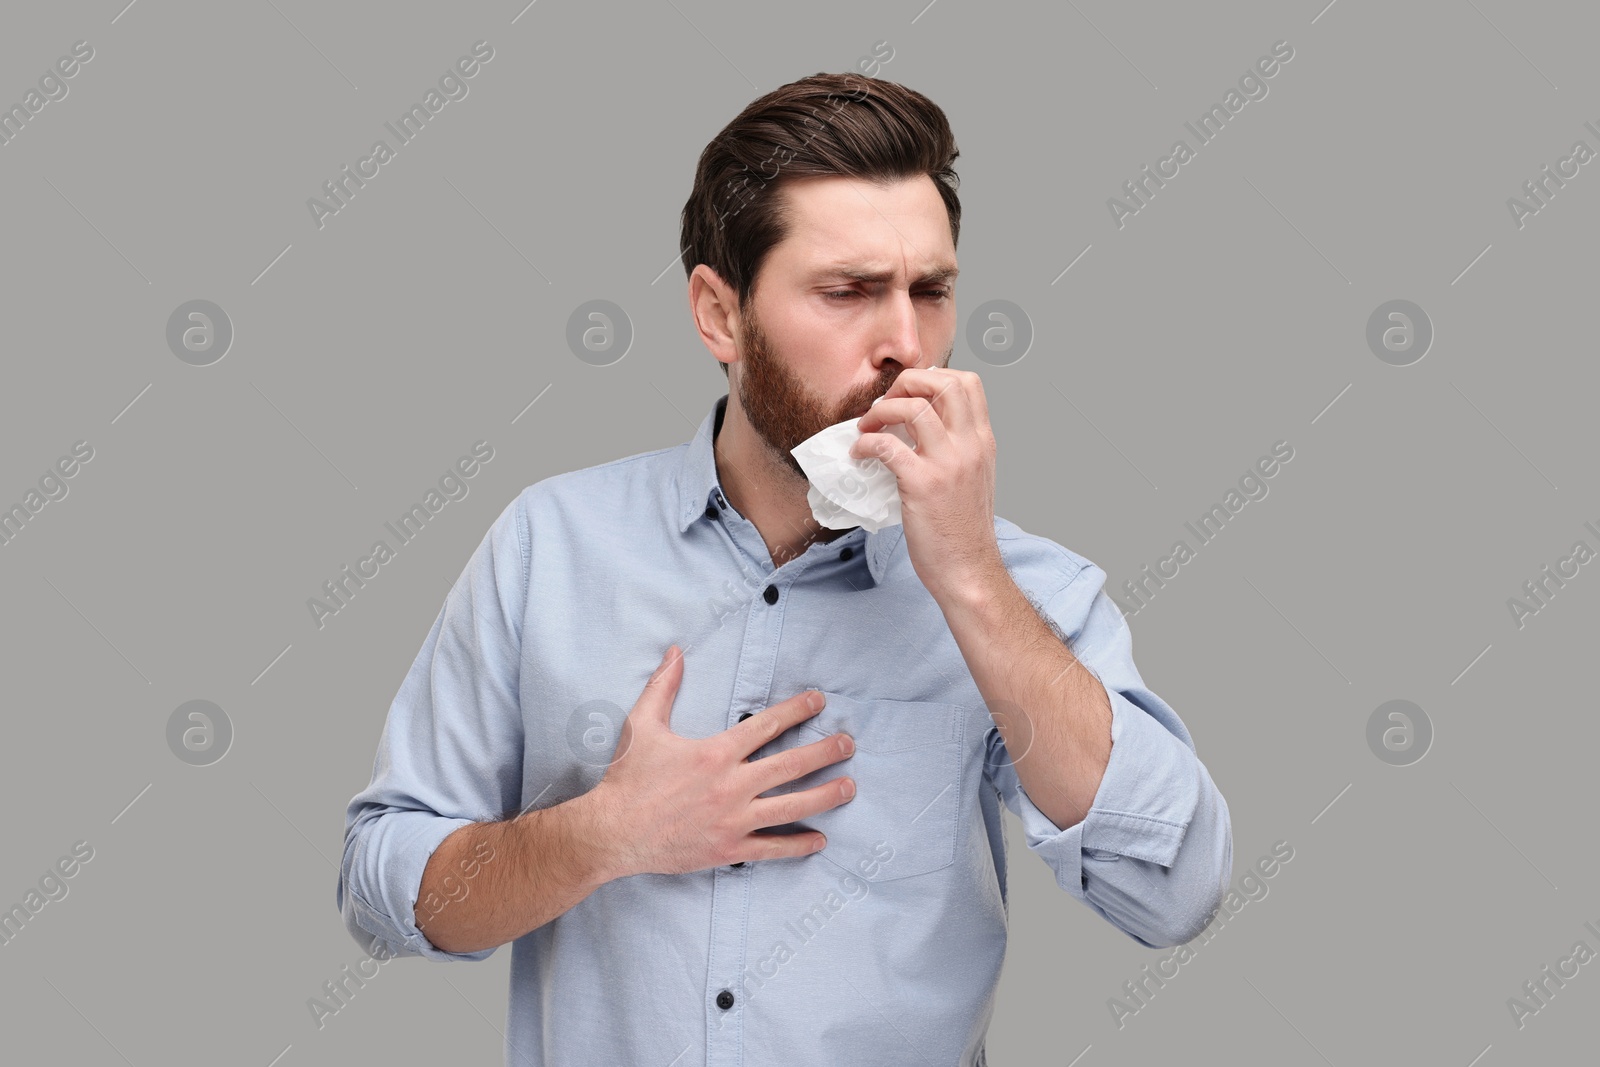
{"x": 939, "y": 295}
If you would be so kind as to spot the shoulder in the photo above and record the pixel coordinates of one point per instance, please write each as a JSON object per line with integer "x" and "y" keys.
{"x": 1038, "y": 564}
{"x": 619, "y": 486}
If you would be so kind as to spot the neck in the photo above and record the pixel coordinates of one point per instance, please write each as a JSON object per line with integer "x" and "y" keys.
{"x": 765, "y": 489}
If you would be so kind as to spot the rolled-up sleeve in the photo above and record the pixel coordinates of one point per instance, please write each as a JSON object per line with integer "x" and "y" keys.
{"x": 1155, "y": 852}
{"x": 450, "y": 752}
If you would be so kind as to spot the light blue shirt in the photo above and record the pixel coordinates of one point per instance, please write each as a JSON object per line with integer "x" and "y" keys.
{"x": 885, "y": 947}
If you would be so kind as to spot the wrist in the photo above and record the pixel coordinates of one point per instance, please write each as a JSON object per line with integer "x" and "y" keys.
{"x": 593, "y": 832}
{"x": 972, "y": 589}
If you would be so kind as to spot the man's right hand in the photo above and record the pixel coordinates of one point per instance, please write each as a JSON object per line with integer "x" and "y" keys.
{"x": 671, "y": 805}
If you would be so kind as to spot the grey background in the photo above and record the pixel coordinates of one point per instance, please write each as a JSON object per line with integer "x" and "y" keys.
{"x": 1229, "y": 314}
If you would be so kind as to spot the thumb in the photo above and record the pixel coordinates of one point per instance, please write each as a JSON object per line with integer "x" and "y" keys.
{"x": 662, "y": 689}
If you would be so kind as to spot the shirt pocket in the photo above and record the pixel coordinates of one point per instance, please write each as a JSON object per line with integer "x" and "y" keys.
{"x": 907, "y": 767}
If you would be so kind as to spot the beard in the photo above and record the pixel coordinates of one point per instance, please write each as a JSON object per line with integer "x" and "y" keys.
{"x": 781, "y": 409}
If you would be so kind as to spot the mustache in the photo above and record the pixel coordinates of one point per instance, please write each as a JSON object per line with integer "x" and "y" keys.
{"x": 857, "y": 405}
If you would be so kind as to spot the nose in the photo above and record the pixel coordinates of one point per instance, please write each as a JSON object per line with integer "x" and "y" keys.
{"x": 899, "y": 337}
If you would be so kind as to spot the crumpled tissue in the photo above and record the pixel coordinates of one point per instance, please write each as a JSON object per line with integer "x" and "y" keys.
{"x": 846, "y": 491}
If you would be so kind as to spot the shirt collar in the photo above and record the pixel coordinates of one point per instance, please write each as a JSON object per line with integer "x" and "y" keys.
{"x": 699, "y": 487}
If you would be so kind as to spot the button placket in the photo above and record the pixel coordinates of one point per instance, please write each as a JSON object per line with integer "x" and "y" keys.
{"x": 730, "y": 894}
{"x": 743, "y": 715}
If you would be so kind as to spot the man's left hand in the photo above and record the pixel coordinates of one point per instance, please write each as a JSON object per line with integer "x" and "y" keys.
{"x": 947, "y": 483}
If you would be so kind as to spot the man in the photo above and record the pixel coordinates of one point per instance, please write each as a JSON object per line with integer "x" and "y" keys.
{"x": 658, "y": 871}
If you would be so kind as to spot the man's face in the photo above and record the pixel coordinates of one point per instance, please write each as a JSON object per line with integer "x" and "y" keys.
{"x": 817, "y": 344}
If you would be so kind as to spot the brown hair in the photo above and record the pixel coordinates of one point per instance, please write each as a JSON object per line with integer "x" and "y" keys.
{"x": 826, "y": 124}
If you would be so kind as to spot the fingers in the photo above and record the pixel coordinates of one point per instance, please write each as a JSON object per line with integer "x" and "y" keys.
{"x": 956, "y": 395}
{"x": 764, "y": 774}
{"x": 766, "y": 726}
{"x": 759, "y": 846}
{"x": 792, "y": 807}
{"x": 920, "y": 419}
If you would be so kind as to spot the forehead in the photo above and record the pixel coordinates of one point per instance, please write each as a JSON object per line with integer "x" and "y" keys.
{"x": 840, "y": 222}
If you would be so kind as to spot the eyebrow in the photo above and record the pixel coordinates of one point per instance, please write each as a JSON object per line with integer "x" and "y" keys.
{"x": 939, "y": 273}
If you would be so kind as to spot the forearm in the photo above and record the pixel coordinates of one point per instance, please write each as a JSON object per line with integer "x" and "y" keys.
{"x": 489, "y": 883}
{"x": 1053, "y": 713}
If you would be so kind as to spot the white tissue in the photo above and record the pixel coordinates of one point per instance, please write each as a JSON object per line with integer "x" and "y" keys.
{"x": 846, "y": 491}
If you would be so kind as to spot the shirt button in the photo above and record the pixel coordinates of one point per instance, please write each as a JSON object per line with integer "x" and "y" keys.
{"x": 711, "y": 512}
{"x": 724, "y": 1000}
{"x": 739, "y": 864}
{"x": 771, "y": 594}
{"x": 846, "y": 553}
{"x": 743, "y": 715}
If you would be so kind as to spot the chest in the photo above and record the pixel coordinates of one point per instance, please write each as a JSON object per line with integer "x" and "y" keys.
{"x": 595, "y": 631}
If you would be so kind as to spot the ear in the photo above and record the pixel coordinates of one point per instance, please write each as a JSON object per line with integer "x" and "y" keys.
{"x": 715, "y": 307}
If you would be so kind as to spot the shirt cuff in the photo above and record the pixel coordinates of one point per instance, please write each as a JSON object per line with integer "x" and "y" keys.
{"x": 404, "y": 841}
{"x": 1147, "y": 796}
